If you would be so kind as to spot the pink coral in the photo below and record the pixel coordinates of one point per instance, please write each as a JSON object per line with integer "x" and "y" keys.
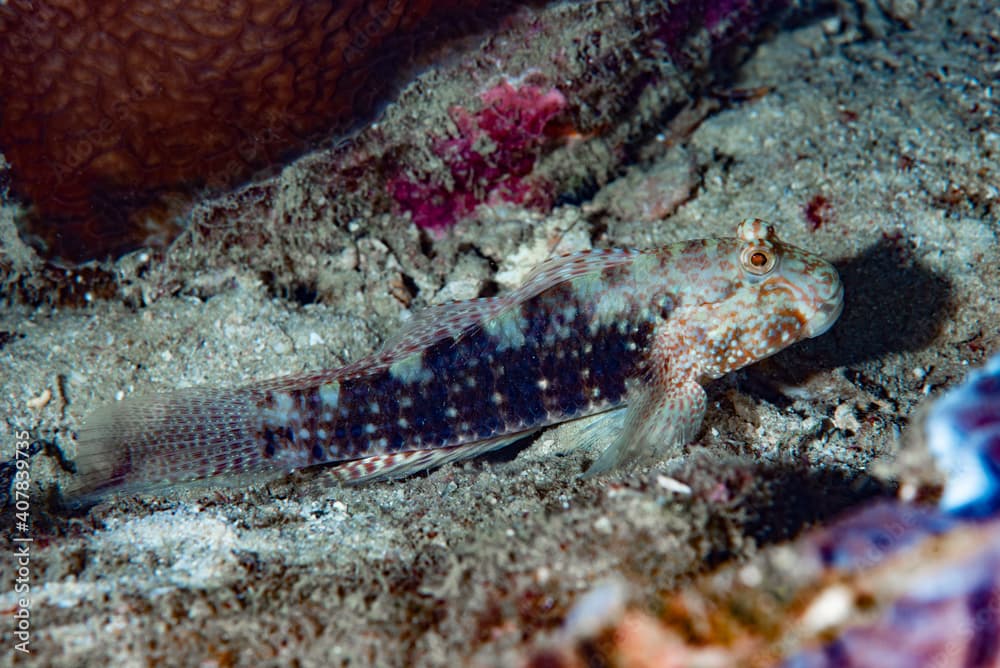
{"x": 489, "y": 161}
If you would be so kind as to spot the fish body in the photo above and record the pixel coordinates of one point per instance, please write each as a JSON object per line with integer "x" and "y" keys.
{"x": 587, "y": 333}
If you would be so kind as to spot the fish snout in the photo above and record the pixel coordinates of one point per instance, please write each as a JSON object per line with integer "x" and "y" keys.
{"x": 830, "y": 296}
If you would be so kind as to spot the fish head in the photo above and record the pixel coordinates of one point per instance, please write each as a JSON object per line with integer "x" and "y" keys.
{"x": 774, "y": 295}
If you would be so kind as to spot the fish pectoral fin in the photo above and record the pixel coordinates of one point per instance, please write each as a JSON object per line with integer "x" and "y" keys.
{"x": 600, "y": 430}
{"x": 654, "y": 423}
{"x": 402, "y": 464}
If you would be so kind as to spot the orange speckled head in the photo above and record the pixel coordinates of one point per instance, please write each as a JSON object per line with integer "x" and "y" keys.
{"x": 776, "y": 294}
{"x": 810, "y": 283}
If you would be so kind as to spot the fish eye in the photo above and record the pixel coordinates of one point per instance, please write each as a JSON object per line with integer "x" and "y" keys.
{"x": 757, "y": 260}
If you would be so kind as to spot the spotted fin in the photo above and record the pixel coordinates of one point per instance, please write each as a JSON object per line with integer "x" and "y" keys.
{"x": 147, "y": 442}
{"x": 437, "y": 322}
{"x": 550, "y": 274}
{"x": 402, "y": 464}
{"x": 455, "y": 318}
{"x": 572, "y": 265}
{"x": 654, "y": 422}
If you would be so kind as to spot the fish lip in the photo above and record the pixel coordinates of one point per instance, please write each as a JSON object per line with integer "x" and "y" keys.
{"x": 827, "y": 314}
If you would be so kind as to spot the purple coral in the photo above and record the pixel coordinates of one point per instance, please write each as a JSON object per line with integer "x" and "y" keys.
{"x": 726, "y": 21}
{"x": 947, "y": 617}
{"x": 878, "y": 532}
{"x": 489, "y": 161}
{"x": 963, "y": 433}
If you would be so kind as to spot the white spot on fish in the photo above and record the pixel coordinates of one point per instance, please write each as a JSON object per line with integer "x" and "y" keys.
{"x": 586, "y": 288}
{"x": 609, "y": 309}
{"x": 282, "y": 412}
{"x": 642, "y": 265}
{"x": 507, "y": 329}
{"x": 283, "y": 402}
{"x": 410, "y": 369}
{"x": 329, "y": 394}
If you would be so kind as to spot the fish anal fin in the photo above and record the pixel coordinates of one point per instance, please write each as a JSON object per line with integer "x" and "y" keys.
{"x": 402, "y": 464}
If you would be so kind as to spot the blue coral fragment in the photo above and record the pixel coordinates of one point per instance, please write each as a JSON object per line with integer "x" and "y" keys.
{"x": 963, "y": 433}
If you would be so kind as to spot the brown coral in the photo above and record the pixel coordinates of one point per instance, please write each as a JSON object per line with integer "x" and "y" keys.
{"x": 110, "y": 107}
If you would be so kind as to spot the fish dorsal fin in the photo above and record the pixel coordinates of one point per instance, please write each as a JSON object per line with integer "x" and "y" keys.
{"x": 557, "y": 271}
{"x": 569, "y": 266}
{"x": 439, "y": 321}
{"x": 455, "y": 318}
{"x": 423, "y": 329}
{"x": 459, "y": 318}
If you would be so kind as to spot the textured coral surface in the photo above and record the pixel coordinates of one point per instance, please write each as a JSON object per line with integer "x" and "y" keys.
{"x": 963, "y": 433}
{"x": 914, "y": 599}
{"x": 939, "y": 606}
{"x": 106, "y": 107}
{"x": 514, "y": 124}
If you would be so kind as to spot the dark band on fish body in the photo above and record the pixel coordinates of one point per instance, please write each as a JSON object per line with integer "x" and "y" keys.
{"x": 475, "y": 389}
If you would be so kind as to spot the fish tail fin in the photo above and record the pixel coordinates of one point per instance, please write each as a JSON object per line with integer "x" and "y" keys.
{"x": 152, "y": 441}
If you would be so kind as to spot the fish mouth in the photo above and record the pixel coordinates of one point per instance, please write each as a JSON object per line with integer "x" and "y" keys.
{"x": 827, "y": 314}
